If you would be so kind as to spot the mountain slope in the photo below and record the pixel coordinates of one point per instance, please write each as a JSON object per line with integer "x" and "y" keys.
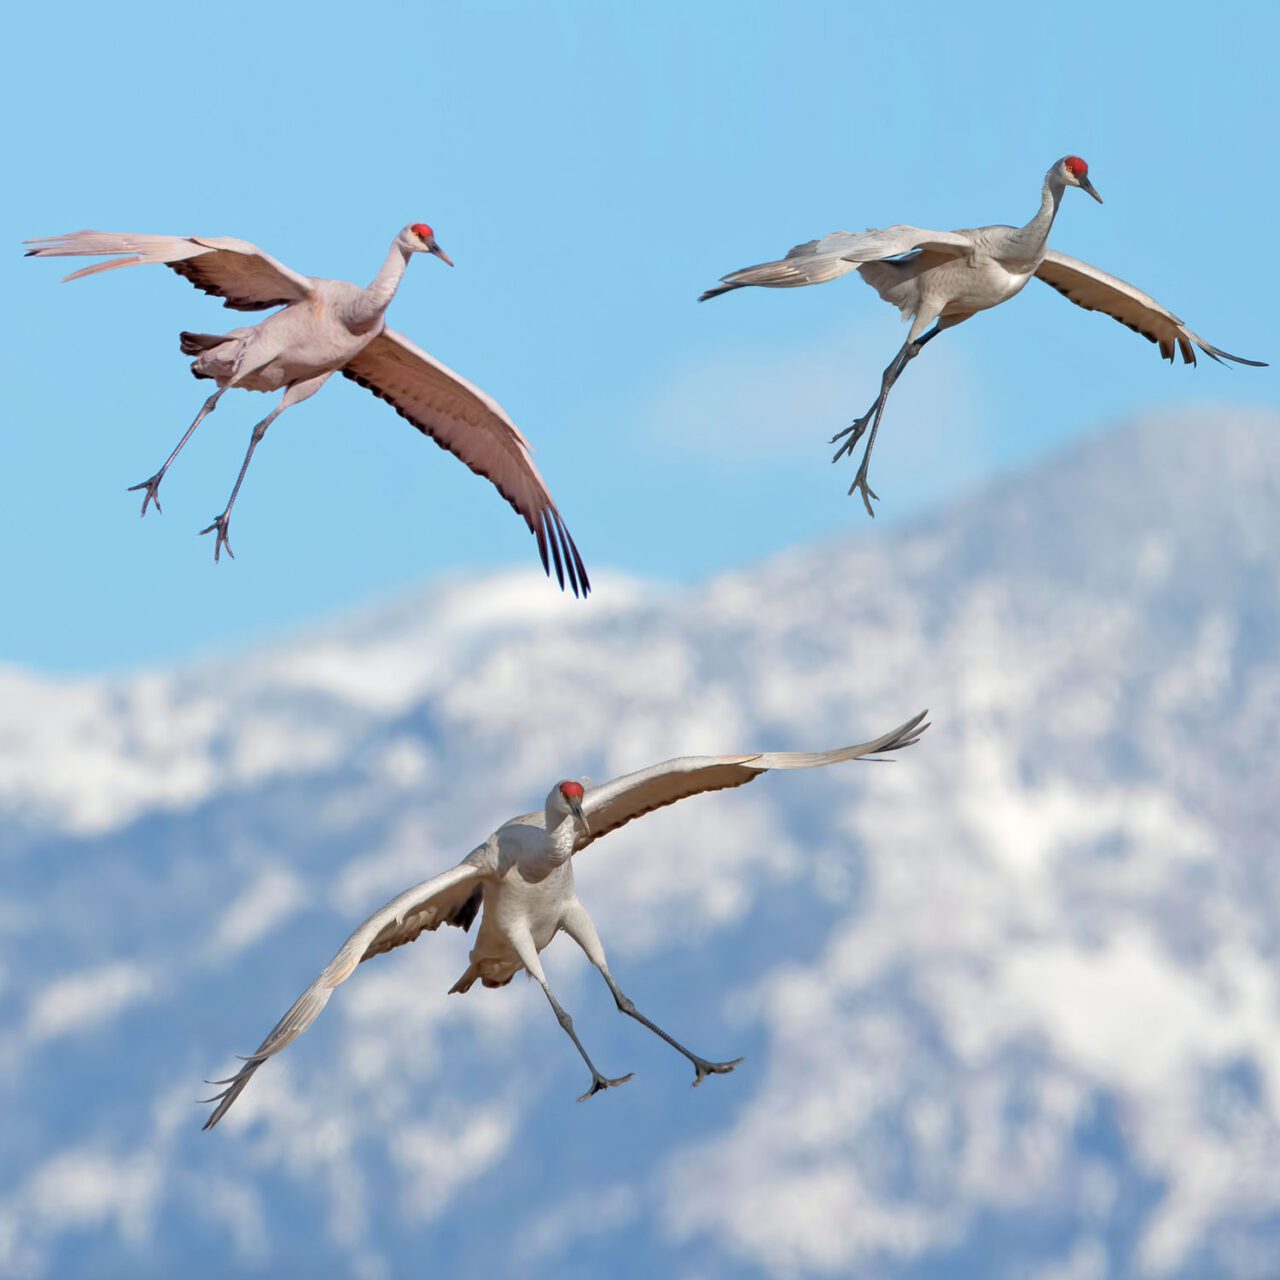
{"x": 1009, "y": 1005}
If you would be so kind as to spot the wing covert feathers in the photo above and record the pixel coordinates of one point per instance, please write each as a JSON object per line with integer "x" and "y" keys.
{"x": 241, "y": 274}
{"x": 473, "y": 427}
{"x": 618, "y": 802}
{"x": 1093, "y": 289}
{"x": 445, "y": 899}
{"x": 817, "y": 261}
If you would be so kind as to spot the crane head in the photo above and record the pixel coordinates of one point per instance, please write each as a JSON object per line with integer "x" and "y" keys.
{"x": 1075, "y": 173}
{"x": 571, "y": 793}
{"x": 421, "y": 239}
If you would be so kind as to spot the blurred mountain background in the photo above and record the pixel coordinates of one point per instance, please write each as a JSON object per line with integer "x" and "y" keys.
{"x": 1009, "y": 1005}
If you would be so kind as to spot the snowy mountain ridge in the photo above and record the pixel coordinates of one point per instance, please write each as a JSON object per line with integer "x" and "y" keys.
{"x": 1010, "y": 1005}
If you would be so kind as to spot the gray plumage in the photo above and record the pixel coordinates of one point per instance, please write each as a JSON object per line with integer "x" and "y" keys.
{"x": 325, "y": 327}
{"x": 521, "y": 878}
{"x": 938, "y": 279}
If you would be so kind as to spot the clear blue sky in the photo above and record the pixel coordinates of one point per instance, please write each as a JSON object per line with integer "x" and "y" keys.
{"x": 590, "y": 168}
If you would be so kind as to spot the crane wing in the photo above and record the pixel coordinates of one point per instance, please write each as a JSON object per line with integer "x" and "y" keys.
{"x": 634, "y": 794}
{"x": 474, "y": 428}
{"x": 450, "y": 898}
{"x": 239, "y": 273}
{"x": 1095, "y": 290}
{"x": 817, "y": 261}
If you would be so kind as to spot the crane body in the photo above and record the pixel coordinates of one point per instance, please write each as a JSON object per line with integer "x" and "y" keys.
{"x": 520, "y": 882}
{"x": 323, "y": 327}
{"x": 938, "y": 279}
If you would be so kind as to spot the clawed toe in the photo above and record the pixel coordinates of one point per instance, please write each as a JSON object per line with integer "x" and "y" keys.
{"x": 221, "y": 525}
{"x": 855, "y": 432}
{"x": 705, "y": 1069}
{"x": 152, "y": 494}
{"x": 601, "y": 1083}
{"x": 861, "y": 486}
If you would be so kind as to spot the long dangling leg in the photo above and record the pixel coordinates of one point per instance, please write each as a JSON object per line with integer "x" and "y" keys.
{"x": 577, "y": 924}
{"x": 910, "y": 349}
{"x": 152, "y": 486}
{"x": 857, "y": 428}
{"x": 528, "y": 954}
{"x": 294, "y": 395}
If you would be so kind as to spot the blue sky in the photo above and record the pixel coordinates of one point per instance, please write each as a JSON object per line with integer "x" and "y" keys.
{"x": 590, "y": 169}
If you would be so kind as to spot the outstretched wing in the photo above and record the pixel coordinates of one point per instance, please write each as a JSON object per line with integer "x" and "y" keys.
{"x": 836, "y": 254}
{"x": 615, "y": 803}
{"x": 235, "y": 270}
{"x": 451, "y": 898}
{"x": 474, "y": 428}
{"x": 1095, "y": 290}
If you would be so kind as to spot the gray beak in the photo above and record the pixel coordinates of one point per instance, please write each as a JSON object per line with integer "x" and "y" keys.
{"x": 1086, "y": 185}
{"x": 576, "y": 807}
{"x": 435, "y": 249}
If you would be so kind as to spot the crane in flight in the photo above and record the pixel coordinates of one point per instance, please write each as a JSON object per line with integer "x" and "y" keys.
{"x": 938, "y": 279}
{"x": 522, "y": 876}
{"x": 325, "y": 327}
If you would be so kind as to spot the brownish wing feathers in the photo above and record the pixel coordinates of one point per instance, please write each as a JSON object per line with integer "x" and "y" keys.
{"x": 473, "y": 427}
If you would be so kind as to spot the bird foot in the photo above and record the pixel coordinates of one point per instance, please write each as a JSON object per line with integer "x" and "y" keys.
{"x": 705, "y": 1069}
{"x": 861, "y": 486}
{"x": 854, "y": 431}
{"x": 599, "y": 1083}
{"x": 220, "y": 524}
{"x": 152, "y": 494}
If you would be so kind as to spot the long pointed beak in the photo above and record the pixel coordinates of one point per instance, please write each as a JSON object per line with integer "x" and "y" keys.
{"x": 435, "y": 249}
{"x": 1086, "y": 185}
{"x": 576, "y": 807}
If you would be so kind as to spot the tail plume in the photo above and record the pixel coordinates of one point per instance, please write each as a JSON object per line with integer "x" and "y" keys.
{"x": 192, "y": 344}
{"x": 717, "y": 290}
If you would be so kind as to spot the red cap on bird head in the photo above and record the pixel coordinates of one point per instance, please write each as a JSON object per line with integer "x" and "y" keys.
{"x": 571, "y": 790}
{"x": 421, "y": 228}
{"x": 1077, "y": 166}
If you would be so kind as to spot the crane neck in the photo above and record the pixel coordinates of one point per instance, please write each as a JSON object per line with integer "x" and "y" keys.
{"x": 1035, "y": 235}
{"x": 562, "y": 835}
{"x": 375, "y": 299}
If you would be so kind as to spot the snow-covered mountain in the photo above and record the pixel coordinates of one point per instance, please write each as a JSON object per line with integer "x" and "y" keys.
{"x": 1010, "y": 1006}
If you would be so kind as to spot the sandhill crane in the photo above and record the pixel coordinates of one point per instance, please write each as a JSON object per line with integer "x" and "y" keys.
{"x": 327, "y": 326}
{"x": 941, "y": 278}
{"x": 522, "y": 875}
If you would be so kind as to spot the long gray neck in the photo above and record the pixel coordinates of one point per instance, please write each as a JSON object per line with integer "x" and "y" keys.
{"x": 374, "y": 300}
{"x": 561, "y": 836}
{"x": 1033, "y": 237}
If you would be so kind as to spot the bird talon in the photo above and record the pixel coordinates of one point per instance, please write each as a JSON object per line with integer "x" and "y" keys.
{"x": 861, "y": 486}
{"x": 601, "y": 1083}
{"x": 152, "y": 494}
{"x": 220, "y": 524}
{"x": 857, "y": 428}
{"x": 705, "y": 1069}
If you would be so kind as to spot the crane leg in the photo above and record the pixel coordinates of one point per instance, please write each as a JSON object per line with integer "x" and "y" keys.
{"x": 871, "y": 418}
{"x": 152, "y": 486}
{"x": 528, "y": 954}
{"x": 578, "y": 925}
{"x": 295, "y": 394}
